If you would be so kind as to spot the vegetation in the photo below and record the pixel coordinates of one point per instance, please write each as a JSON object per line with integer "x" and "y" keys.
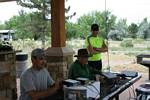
{"x": 31, "y": 25}
{"x": 36, "y": 25}
{"x": 126, "y": 43}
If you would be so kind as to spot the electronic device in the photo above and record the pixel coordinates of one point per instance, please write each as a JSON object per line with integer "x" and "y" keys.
{"x": 129, "y": 73}
{"x": 109, "y": 75}
{"x": 71, "y": 82}
{"x": 75, "y": 93}
{"x": 82, "y": 80}
{"x": 82, "y": 92}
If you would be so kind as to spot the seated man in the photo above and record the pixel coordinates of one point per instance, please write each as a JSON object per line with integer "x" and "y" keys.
{"x": 80, "y": 67}
{"x": 35, "y": 82}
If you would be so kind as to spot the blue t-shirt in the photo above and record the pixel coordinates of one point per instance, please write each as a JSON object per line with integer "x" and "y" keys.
{"x": 32, "y": 79}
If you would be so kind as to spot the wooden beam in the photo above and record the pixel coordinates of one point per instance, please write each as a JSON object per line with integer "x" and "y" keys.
{"x": 6, "y": 0}
{"x": 58, "y": 23}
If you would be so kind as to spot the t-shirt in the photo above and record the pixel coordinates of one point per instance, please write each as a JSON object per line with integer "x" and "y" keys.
{"x": 96, "y": 42}
{"x": 78, "y": 70}
{"x": 33, "y": 79}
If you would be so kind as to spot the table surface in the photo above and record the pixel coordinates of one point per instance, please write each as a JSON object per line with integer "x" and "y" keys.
{"x": 144, "y": 55}
{"x": 111, "y": 91}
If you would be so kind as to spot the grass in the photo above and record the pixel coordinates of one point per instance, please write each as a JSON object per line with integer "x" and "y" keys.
{"x": 114, "y": 49}
{"x": 140, "y": 46}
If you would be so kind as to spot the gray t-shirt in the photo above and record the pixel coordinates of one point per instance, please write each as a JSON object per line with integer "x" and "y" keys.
{"x": 33, "y": 79}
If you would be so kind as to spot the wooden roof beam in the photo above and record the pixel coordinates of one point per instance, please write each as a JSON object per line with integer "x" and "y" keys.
{"x": 7, "y": 0}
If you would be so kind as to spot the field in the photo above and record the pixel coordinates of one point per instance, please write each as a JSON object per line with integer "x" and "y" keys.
{"x": 121, "y": 55}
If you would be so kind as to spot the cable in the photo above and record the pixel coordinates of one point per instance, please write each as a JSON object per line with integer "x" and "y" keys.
{"x": 134, "y": 97}
{"x": 95, "y": 88}
{"x": 93, "y": 91}
{"x": 90, "y": 89}
{"x": 132, "y": 87}
{"x": 97, "y": 91}
{"x": 129, "y": 93}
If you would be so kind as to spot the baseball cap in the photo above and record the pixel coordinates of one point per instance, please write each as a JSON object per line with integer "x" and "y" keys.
{"x": 38, "y": 53}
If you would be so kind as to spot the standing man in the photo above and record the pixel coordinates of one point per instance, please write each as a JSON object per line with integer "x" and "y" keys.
{"x": 95, "y": 45}
{"x": 35, "y": 82}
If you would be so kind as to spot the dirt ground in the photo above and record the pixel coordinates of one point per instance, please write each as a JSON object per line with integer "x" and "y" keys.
{"x": 120, "y": 62}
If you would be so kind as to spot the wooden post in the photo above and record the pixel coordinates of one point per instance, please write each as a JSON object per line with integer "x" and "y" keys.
{"x": 58, "y": 23}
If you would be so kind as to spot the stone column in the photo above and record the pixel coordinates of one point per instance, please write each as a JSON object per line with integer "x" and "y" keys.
{"x": 59, "y": 59}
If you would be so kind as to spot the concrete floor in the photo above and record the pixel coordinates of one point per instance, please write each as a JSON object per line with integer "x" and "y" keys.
{"x": 128, "y": 94}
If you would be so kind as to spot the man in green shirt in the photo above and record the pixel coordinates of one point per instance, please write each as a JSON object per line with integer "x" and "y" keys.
{"x": 80, "y": 67}
{"x": 95, "y": 46}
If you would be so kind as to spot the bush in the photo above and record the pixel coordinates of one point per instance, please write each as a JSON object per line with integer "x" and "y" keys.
{"x": 148, "y": 47}
{"x": 138, "y": 40}
{"x": 126, "y": 43}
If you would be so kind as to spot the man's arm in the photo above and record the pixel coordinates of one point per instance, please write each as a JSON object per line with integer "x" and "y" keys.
{"x": 89, "y": 46}
{"x": 104, "y": 48}
{"x": 35, "y": 95}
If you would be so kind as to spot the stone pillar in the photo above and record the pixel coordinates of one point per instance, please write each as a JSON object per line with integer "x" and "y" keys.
{"x": 58, "y": 61}
{"x": 59, "y": 57}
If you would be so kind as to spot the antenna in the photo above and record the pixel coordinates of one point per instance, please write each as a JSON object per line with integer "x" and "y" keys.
{"x": 106, "y": 30}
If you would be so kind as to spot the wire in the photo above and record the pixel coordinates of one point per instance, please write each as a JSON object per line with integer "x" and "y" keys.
{"x": 132, "y": 87}
{"x": 90, "y": 89}
{"x": 134, "y": 95}
{"x": 97, "y": 91}
{"x": 95, "y": 88}
{"x": 129, "y": 93}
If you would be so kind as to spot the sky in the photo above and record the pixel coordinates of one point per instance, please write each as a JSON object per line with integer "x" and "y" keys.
{"x": 132, "y": 10}
{"x": 7, "y": 10}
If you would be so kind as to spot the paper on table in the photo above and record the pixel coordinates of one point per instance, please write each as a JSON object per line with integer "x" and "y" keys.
{"x": 93, "y": 90}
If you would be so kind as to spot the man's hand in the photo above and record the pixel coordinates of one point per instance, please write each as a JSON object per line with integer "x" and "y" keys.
{"x": 101, "y": 49}
{"x": 92, "y": 50}
{"x": 57, "y": 85}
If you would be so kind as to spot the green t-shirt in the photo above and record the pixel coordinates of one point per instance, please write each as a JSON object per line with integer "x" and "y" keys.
{"x": 77, "y": 70}
{"x": 96, "y": 42}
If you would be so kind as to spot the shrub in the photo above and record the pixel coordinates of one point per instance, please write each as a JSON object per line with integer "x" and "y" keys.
{"x": 126, "y": 43}
{"x": 138, "y": 40}
{"x": 148, "y": 47}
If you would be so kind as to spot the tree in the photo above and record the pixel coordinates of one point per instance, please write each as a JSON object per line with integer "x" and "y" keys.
{"x": 71, "y": 30}
{"x": 26, "y": 27}
{"x": 43, "y": 11}
{"x": 87, "y": 20}
{"x": 115, "y": 35}
{"x": 119, "y": 31}
{"x": 143, "y": 26}
{"x": 2, "y": 26}
{"x": 133, "y": 29}
{"x": 19, "y": 23}
{"x": 42, "y": 6}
